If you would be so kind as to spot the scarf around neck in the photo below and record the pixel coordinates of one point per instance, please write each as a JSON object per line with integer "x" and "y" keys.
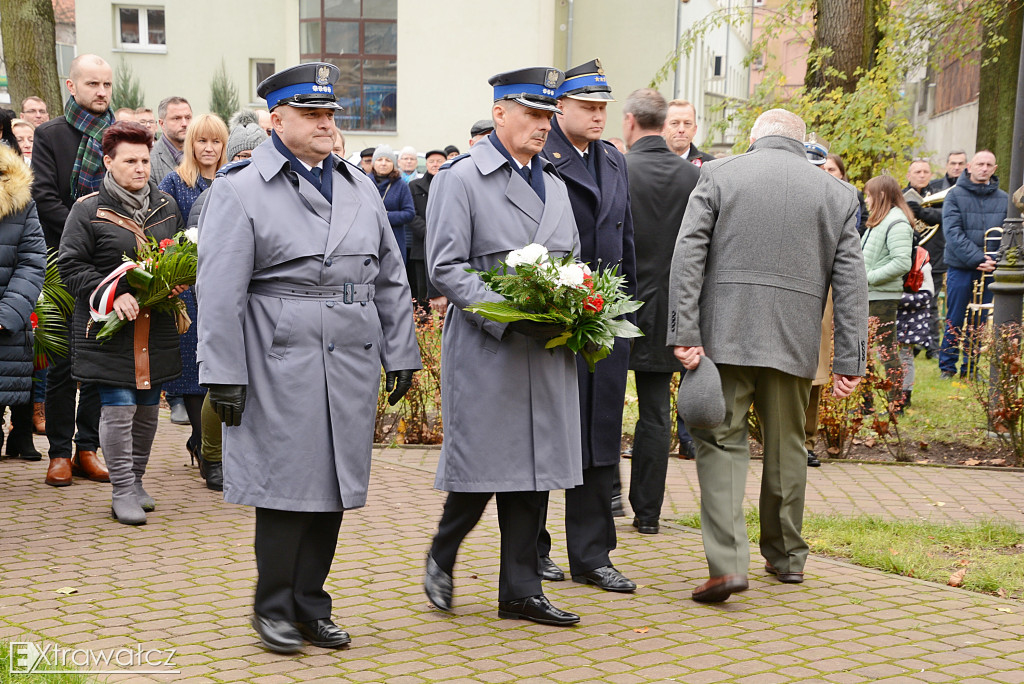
{"x": 137, "y": 203}
{"x": 88, "y": 170}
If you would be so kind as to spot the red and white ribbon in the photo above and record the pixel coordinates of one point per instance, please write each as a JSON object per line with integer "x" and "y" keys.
{"x": 101, "y": 301}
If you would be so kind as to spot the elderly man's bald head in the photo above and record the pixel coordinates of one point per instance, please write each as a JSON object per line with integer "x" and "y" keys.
{"x": 778, "y": 122}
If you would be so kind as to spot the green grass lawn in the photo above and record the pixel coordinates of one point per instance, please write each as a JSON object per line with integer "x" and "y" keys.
{"x": 990, "y": 553}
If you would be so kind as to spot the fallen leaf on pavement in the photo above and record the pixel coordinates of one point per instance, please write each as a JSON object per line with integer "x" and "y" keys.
{"x": 67, "y": 591}
{"x": 1004, "y": 609}
{"x": 1001, "y": 593}
{"x": 641, "y": 630}
{"x": 957, "y": 578}
{"x": 940, "y": 503}
{"x": 972, "y": 462}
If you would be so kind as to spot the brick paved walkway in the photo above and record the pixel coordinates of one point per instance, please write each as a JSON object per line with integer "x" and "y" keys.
{"x": 184, "y": 581}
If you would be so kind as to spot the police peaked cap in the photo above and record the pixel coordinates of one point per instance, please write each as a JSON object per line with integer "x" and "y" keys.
{"x": 535, "y": 87}
{"x": 587, "y": 82}
{"x": 306, "y": 85}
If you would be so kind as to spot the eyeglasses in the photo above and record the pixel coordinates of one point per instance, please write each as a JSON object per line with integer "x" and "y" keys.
{"x": 147, "y": 122}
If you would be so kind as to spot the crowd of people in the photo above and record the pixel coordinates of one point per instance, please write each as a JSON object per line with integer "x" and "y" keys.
{"x": 321, "y": 266}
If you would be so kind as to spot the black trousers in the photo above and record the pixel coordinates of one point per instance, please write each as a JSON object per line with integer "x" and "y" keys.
{"x": 61, "y": 417}
{"x": 294, "y": 552}
{"x": 520, "y": 517}
{"x": 589, "y": 525}
{"x": 651, "y": 440}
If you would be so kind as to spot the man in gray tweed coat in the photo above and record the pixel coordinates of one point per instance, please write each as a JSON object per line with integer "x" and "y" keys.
{"x": 764, "y": 237}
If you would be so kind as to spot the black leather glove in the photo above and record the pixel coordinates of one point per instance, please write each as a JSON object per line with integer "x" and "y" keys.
{"x": 915, "y": 208}
{"x": 400, "y": 381}
{"x": 541, "y": 331}
{"x": 229, "y": 402}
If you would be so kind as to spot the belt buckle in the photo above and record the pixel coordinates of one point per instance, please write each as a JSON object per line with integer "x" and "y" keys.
{"x": 348, "y": 293}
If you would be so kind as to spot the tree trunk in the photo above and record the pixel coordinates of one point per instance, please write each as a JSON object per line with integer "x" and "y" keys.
{"x": 997, "y": 98}
{"x": 30, "y": 52}
{"x": 837, "y": 23}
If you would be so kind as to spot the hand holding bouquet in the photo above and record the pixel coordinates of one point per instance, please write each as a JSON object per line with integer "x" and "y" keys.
{"x": 157, "y": 273}
{"x": 586, "y": 306}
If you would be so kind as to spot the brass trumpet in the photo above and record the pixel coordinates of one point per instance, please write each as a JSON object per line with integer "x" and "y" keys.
{"x": 924, "y": 231}
{"x": 977, "y": 310}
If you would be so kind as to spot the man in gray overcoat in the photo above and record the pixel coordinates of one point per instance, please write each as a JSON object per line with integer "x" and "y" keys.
{"x": 764, "y": 236}
{"x": 511, "y": 407}
{"x": 303, "y": 297}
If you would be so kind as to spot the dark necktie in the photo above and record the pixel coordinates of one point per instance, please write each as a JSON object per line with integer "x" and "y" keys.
{"x": 316, "y": 174}
{"x": 587, "y": 161}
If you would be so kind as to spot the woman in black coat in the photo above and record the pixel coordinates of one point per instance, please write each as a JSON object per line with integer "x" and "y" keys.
{"x": 129, "y": 367}
{"x": 22, "y": 268}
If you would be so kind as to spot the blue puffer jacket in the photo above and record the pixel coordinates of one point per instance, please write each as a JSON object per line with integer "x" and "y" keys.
{"x": 22, "y": 265}
{"x": 968, "y": 211}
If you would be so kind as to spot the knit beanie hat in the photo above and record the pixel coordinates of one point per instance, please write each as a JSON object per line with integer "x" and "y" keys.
{"x": 385, "y": 151}
{"x": 246, "y": 133}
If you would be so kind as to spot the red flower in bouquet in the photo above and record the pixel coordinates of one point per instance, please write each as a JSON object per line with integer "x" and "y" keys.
{"x": 166, "y": 242}
{"x": 34, "y": 318}
{"x": 593, "y": 303}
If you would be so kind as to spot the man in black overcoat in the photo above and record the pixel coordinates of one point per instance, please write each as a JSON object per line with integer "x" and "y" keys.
{"x": 659, "y": 188}
{"x": 595, "y": 175}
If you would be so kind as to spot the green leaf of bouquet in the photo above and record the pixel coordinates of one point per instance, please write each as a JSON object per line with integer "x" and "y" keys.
{"x": 503, "y": 312}
{"x": 558, "y": 341}
{"x": 621, "y": 328}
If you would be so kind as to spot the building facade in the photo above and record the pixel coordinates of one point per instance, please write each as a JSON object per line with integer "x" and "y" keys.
{"x": 414, "y": 72}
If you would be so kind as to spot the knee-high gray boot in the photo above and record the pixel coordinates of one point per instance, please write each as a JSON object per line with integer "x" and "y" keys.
{"x": 143, "y": 434}
{"x": 116, "y": 442}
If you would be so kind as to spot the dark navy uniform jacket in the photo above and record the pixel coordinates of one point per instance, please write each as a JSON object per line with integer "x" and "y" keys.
{"x": 605, "y": 224}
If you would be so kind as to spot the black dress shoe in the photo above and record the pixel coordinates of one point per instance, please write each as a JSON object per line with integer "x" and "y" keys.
{"x": 812, "y": 460}
{"x": 646, "y": 526}
{"x": 617, "y": 510}
{"x": 323, "y": 633}
{"x": 718, "y": 589}
{"x": 785, "y": 577}
{"x": 538, "y": 609}
{"x": 550, "y": 571}
{"x": 279, "y": 636}
{"x": 687, "y": 450}
{"x": 608, "y": 578}
{"x": 438, "y": 585}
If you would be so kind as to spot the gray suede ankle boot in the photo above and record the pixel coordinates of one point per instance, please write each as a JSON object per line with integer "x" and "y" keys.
{"x": 143, "y": 434}
{"x": 116, "y": 442}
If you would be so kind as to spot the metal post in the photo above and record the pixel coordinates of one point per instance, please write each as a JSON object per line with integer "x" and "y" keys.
{"x": 1008, "y": 286}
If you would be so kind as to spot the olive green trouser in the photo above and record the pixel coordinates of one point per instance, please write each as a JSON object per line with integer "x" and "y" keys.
{"x": 211, "y": 433}
{"x": 723, "y": 457}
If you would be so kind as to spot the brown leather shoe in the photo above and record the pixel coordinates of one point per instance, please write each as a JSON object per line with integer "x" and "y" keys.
{"x": 58, "y": 473}
{"x": 88, "y": 464}
{"x": 786, "y": 577}
{"x": 718, "y": 589}
{"x": 39, "y": 418}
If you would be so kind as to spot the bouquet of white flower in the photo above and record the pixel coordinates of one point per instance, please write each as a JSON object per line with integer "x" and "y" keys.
{"x": 562, "y": 291}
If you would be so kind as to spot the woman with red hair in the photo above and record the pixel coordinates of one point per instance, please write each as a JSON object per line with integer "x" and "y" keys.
{"x": 129, "y": 368}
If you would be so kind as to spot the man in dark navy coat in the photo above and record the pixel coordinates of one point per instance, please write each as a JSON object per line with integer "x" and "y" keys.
{"x": 594, "y": 172}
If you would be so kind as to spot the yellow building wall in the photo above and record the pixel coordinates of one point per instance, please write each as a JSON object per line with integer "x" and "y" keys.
{"x": 199, "y": 34}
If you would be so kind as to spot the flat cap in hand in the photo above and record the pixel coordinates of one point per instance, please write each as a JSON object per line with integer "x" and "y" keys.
{"x": 700, "y": 401}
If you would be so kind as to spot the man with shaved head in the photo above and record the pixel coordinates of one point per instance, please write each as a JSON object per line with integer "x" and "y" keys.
{"x": 68, "y": 163}
{"x": 972, "y": 206}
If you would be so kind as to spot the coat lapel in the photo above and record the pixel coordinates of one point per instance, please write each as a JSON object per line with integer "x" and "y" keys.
{"x": 341, "y": 220}
{"x": 522, "y": 195}
{"x": 316, "y": 201}
{"x": 552, "y": 215}
{"x": 608, "y": 170}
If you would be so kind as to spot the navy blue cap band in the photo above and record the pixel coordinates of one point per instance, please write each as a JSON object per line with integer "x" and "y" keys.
{"x": 584, "y": 81}
{"x": 276, "y": 96}
{"x": 516, "y": 89}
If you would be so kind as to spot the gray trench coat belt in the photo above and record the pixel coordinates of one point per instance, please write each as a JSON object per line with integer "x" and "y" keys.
{"x": 348, "y": 293}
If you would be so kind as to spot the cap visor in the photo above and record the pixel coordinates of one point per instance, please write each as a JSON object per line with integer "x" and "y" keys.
{"x": 327, "y": 104}
{"x": 538, "y": 105}
{"x": 593, "y": 97}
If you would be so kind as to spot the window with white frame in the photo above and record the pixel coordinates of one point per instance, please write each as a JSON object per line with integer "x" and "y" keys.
{"x": 141, "y": 28}
{"x": 262, "y": 69}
